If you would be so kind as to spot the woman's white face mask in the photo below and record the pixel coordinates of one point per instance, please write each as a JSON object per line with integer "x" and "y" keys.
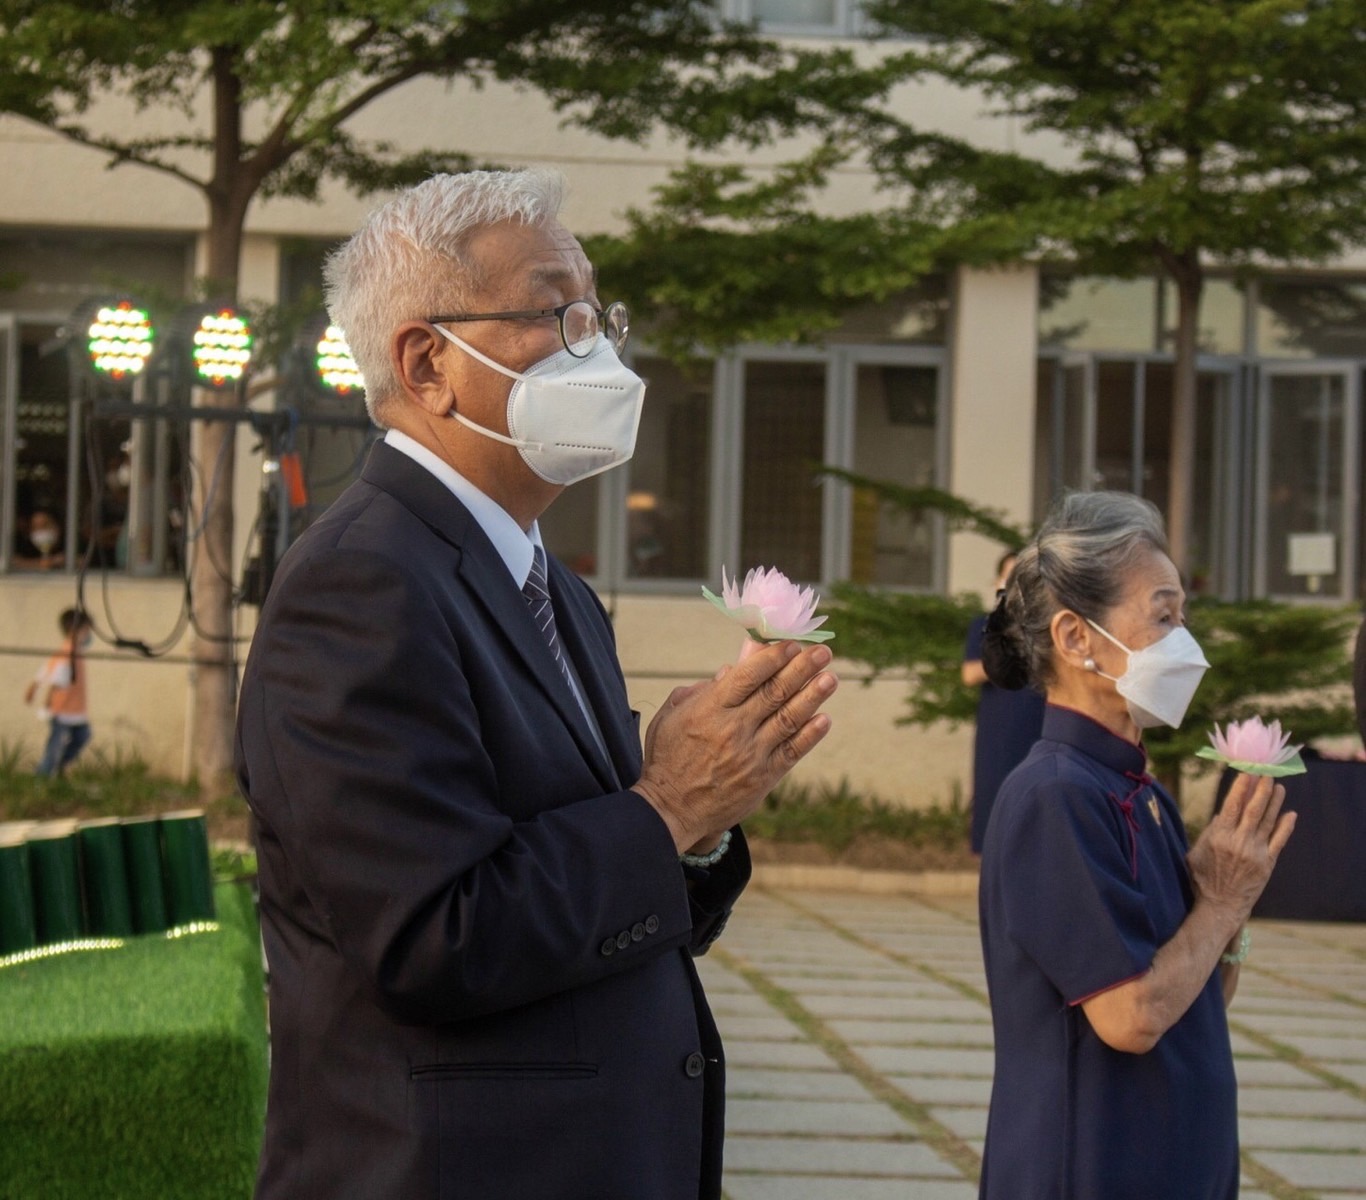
{"x": 1161, "y": 679}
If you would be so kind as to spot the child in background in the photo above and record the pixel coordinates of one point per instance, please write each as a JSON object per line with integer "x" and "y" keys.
{"x": 65, "y": 704}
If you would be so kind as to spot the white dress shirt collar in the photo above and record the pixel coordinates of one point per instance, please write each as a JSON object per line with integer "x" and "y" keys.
{"x": 514, "y": 547}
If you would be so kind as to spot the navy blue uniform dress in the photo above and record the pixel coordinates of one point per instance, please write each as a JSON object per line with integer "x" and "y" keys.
{"x": 1008, "y": 724}
{"x": 1083, "y": 879}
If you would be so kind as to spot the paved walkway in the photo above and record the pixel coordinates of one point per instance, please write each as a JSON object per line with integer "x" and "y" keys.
{"x": 859, "y": 1042}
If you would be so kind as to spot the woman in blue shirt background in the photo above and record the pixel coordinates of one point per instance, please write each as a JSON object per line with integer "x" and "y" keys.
{"x": 1111, "y": 947}
{"x": 1008, "y": 721}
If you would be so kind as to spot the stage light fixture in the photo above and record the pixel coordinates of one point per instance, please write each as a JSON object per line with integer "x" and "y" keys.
{"x": 219, "y": 344}
{"x": 115, "y": 337}
{"x": 328, "y": 361}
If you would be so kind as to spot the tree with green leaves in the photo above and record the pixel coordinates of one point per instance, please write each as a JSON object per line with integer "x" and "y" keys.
{"x": 264, "y": 94}
{"x": 723, "y": 256}
{"x": 1193, "y": 132}
{"x": 1173, "y": 135}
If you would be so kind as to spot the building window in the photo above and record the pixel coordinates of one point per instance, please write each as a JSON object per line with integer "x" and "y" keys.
{"x": 1097, "y": 313}
{"x": 783, "y": 444}
{"x": 821, "y": 14}
{"x": 111, "y": 487}
{"x": 1223, "y": 305}
{"x": 1104, "y": 421}
{"x": 668, "y": 508}
{"x": 110, "y": 490}
{"x": 1309, "y": 527}
{"x": 1319, "y": 318}
{"x": 727, "y": 464}
{"x": 896, "y": 440}
{"x": 819, "y": 17}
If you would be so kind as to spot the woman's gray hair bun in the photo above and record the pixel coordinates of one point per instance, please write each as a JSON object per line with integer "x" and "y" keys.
{"x": 1078, "y": 560}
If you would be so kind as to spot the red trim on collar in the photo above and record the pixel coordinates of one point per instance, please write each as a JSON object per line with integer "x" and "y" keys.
{"x": 1126, "y": 806}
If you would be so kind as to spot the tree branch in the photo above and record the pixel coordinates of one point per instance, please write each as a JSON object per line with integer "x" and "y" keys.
{"x": 121, "y": 153}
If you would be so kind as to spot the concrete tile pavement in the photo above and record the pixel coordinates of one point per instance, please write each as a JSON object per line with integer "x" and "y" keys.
{"x": 859, "y": 1043}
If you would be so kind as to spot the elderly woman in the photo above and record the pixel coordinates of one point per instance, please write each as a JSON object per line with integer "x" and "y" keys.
{"x": 1111, "y": 947}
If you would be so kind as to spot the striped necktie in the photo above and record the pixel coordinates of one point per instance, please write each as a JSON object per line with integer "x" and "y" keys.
{"x": 537, "y": 593}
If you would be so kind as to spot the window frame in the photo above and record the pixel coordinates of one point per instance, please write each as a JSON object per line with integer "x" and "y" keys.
{"x": 841, "y": 414}
{"x": 1350, "y": 570}
{"x": 849, "y": 20}
{"x": 841, "y": 364}
{"x": 149, "y": 437}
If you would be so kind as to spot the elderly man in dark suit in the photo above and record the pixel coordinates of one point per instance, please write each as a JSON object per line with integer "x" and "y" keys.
{"x": 480, "y": 900}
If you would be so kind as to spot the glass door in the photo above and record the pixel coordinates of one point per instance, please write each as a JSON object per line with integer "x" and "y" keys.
{"x": 891, "y": 426}
{"x": 1215, "y": 495}
{"x": 1064, "y": 428}
{"x": 41, "y": 519}
{"x": 1104, "y": 421}
{"x": 1308, "y": 481}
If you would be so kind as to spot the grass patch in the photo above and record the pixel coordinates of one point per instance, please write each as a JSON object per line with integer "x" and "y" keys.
{"x": 231, "y": 864}
{"x": 137, "y": 1072}
{"x": 106, "y": 785}
{"x": 834, "y": 816}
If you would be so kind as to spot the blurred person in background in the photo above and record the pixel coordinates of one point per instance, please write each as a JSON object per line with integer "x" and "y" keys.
{"x": 1008, "y": 722}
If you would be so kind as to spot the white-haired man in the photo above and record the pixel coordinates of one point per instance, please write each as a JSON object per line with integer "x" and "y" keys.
{"x": 480, "y": 900}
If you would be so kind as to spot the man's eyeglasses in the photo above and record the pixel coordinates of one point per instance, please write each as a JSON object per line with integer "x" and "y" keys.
{"x": 580, "y": 323}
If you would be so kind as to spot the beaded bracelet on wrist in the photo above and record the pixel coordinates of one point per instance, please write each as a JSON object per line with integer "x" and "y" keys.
{"x": 1244, "y": 945}
{"x": 710, "y": 859}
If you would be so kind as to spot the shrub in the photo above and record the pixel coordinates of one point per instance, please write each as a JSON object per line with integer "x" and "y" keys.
{"x": 834, "y": 817}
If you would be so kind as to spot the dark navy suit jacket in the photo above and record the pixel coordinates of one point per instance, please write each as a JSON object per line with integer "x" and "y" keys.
{"x": 480, "y": 944}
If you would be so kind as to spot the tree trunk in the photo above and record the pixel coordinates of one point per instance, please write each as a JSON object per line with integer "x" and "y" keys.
{"x": 211, "y": 586}
{"x": 1188, "y": 276}
{"x": 214, "y": 681}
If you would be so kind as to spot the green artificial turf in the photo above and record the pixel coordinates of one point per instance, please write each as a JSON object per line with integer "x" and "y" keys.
{"x": 136, "y": 1073}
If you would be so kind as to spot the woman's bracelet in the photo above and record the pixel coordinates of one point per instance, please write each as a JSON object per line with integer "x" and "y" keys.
{"x": 1244, "y": 945}
{"x": 707, "y": 860}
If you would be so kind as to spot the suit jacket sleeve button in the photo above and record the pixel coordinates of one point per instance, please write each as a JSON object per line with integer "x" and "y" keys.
{"x": 652, "y": 924}
{"x": 638, "y": 932}
{"x": 694, "y": 1065}
{"x": 623, "y": 939}
{"x": 609, "y": 947}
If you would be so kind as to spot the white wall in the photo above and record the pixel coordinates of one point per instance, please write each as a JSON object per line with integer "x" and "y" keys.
{"x": 667, "y": 642}
{"x": 138, "y": 706}
{"x": 993, "y": 351}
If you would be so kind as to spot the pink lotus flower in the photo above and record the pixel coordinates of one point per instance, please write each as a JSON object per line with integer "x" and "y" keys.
{"x": 771, "y": 608}
{"x": 1254, "y": 748}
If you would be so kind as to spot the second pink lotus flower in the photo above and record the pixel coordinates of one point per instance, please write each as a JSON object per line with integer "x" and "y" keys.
{"x": 1254, "y": 748}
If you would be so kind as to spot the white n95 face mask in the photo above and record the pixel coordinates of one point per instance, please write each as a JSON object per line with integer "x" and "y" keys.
{"x": 1161, "y": 679}
{"x": 44, "y": 539}
{"x": 570, "y": 418}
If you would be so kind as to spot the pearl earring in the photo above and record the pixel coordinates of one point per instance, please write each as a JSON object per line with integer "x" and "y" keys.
{"x": 1089, "y": 663}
